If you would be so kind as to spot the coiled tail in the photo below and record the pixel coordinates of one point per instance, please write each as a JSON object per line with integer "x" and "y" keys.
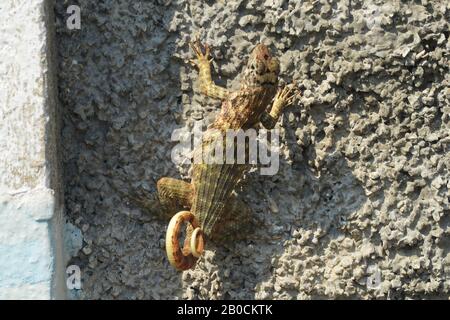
{"x": 186, "y": 257}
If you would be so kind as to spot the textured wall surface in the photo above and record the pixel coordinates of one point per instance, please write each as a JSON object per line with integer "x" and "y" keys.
{"x": 31, "y": 256}
{"x": 360, "y": 205}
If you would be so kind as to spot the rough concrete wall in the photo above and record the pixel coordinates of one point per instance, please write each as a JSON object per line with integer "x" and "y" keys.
{"x": 359, "y": 207}
{"x": 30, "y": 193}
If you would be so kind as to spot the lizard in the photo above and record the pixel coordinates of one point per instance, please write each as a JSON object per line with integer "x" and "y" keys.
{"x": 207, "y": 199}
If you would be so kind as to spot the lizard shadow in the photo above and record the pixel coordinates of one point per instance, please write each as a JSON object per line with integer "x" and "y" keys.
{"x": 300, "y": 211}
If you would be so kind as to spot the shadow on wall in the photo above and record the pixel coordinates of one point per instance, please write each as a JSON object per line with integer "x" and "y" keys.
{"x": 120, "y": 92}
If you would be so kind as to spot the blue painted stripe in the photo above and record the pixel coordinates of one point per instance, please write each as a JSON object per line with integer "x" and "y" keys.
{"x": 25, "y": 263}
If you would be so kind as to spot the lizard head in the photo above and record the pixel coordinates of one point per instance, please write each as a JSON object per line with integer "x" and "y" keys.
{"x": 262, "y": 69}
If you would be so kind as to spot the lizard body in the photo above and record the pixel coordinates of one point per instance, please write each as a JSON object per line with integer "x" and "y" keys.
{"x": 208, "y": 195}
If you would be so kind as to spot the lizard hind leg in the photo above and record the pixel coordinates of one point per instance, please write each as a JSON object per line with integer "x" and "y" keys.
{"x": 238, "y": 223}
{"x": 174, "y": 195}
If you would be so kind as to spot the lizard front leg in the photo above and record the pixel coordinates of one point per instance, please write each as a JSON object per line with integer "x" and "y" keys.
{"x": 203, "y": 62}
{"x": 284, "y": 97}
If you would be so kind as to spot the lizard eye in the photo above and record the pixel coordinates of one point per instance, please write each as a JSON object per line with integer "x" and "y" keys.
{"x": 274, "y": 66}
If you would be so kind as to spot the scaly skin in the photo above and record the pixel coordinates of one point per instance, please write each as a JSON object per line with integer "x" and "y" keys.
{"x": 209, "y": 195}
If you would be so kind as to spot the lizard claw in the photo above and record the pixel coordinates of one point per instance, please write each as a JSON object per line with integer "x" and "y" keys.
{"x": 193, "y": 62}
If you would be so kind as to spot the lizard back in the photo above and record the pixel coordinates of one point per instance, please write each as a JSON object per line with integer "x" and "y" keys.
{"x": 213, "y": 183}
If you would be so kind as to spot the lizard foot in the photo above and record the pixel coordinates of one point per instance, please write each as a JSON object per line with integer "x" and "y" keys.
{"x": 198, "y": 49}
{"x": 288, "y": 94}
{"x": 285, "y": 96}
{"x": 184, "y": 259}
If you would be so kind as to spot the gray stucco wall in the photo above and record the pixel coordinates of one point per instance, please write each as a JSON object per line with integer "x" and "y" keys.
{"x": 31, "y": 254}
{"x": 360, "y": 205}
